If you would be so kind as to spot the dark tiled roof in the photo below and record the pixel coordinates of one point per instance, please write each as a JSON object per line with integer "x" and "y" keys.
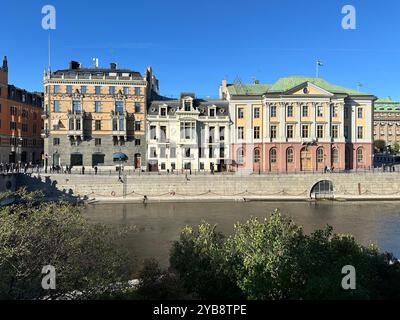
{"x": 97, "y": 72}
{"x": 31, "y": 98}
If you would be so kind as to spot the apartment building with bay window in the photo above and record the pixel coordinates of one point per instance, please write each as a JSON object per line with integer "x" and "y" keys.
{"x": 188, "y": 134}
{"x": 91, "y": 114}
{"x": 299, "y": 124}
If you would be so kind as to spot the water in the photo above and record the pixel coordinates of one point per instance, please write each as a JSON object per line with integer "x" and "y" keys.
{"x": 158, "y": 225}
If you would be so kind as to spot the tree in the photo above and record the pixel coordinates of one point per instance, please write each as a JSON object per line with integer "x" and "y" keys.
{"x": 396, "y": 148}
{"x": 275, "y": 259}
{"x": 380, "y": 145}
{"x": 33, "y": 235}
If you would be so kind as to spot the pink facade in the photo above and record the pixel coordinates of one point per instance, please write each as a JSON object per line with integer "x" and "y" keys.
{"x": 295, "y": 157}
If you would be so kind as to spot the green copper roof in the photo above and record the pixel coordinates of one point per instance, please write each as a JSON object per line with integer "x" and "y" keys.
{"x": 386, "y": 105}
{"x": 287, "y": 83}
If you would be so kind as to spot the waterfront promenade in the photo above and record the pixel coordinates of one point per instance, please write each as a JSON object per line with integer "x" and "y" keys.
{"x": 146, "y": 188}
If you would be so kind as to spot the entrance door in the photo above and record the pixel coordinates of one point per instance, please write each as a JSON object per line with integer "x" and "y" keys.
{"x": 138, "y": 161}
{"x": 306, "y": 160}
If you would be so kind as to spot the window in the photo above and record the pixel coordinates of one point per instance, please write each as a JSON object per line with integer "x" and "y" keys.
{"x": 222, "y": 152}
{"x": 172, "y": 152}
{"x": 360, "y": 155}
{"x": 257, "y": 113}
{"x": 320, "y": 155}
{"x": 240, "y": 133}
{"x": 212, "y": 112}
{"x": 186, "y": 152}
{"x": 153, "y": 132}
{"x": 360, "y": 132}
{"x": 211, "y": 135}
{"x": 320, "y": 111}
{"x": 13, "y": 111}
{"x": 56, "y": 141}
{"x": 97, "y": 89}
{"x": 187, "y": 105}
{"x": 289, "y": 131}
{"x": 257, "y": 156}
{"x": 163, "y": 133}
{"x": 119, "y": 107}
{"x": 137, "y": 91}
{"x": 305, "y": 111}
{"x": 111, "y": 90}
{"x": 211, "y": 152}
{"x": 69, "y": 89}
{"x": 138, "y": 107}
{"x": 273, "y": 111}
{"x": 360, "y": 113}
{"x": 305, "y": 131}
{"x": 163, "y": 112}
{"x": 153, "y": 152}
{"x": 76, "y": 106}
{"x": 335, "y": 131}
{"x": 25, "y": 113}
{"x": 162, "y": 152}
{"x": 273, "y": 131}
{"x": 289, "y": 155}
{"x": 97, "y": 125}
{"x": 221, "y": 133}
{"x": 78, "y": 125}
{"x": 290, "y": 111}
{"x": 13, "y": 125}
{"x": 83, "y": 89}
{"x": 240, "y": 113}
{"x": 97, "y": 106}
{"x": 240, "y": 156}
{"x": 320, "y": 131}
{"x": 56, "y": 89}
{"x": 137, "y": 142}
{"x": 56, "y": 106}
{"x": 187, "y": 130}
{"x": 334, "y": 112}
{"x": 126, "y": 90}
{"x": 272, "y": 155}
{"x": 138, "y": 126}
{"x": 256, "y": 132}
{"x": 335, "y": 156}
{"x": 97, "y": 142}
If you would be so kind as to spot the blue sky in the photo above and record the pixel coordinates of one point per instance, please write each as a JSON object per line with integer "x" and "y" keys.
{"x": 193, "y": 45}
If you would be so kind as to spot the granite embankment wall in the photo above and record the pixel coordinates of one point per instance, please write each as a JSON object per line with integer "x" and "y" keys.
{"x": 352, "y": 186}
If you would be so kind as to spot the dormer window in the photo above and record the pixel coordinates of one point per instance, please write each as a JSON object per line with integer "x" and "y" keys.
{"x": 163, "y": 112}
{"x": 212, "y": 112}
{"x": 187, "y": 105}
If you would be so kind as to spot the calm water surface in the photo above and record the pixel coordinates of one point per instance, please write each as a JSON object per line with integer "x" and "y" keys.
{"x": 159, "y": 224}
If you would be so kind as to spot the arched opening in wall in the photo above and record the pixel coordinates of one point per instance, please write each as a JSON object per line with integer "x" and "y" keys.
{"x": 306, "y": 160}
{"x": 256, "y": 160}
{"x": 240, "y": 156}
{"x": 273, "y": 158}
{"x": 322, "y": 190}
{"x": 56, "y": 159}
{"x": 97, "y": 159}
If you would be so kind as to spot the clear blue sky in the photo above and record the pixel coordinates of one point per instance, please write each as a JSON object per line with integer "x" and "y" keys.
{"x": 193, "y": 45}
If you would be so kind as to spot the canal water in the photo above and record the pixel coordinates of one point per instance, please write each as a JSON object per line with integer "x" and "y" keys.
{"x": 157, "y": 225}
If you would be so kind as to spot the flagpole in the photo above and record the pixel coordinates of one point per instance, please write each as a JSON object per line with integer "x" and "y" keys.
{"x": 317, "y": 69}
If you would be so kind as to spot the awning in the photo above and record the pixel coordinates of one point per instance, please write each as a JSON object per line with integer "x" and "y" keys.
{"x": 119, "y": 156}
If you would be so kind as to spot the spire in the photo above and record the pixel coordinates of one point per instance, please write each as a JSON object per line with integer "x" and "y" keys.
{"x": 5, "y": 64}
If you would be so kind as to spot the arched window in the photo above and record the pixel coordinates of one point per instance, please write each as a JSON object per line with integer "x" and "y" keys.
{"x": 240, "y": 156}
{"x": 320, "y": 155}
{"x": 290, "y": 155}
{"x": 335, "y": 156}
{"x": 272, "y": 155}
{"x": 257, "y": 156}
{"x": 360, "y": 155}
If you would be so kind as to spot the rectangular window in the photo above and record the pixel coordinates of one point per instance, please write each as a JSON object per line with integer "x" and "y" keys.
{"x": 119, "y": 107}
{"x": 289, "y": 131}
{"x": 56, "y": 141}
{"x": 163, "y": 112}
{"x": 163, "y": 133}
{"x": 126, "y": 90}
{"x": 222, "y": 152}
{"x": 97, "y": 142}
{"x": 257, "y": 113}
{"x": 111, "y": 90}
{"x": 335, "y": 131}
{"x": 240, "y": 133}
{"x": 320, "y": 111}
{"x": 211, "y": 152}
{"x": 138, "y": 107}
{"x": 138, "y": 126}
{"x": 273, "y": 111}
{"x": 153, "y": 152}
{"x": 273, "y": 131}
{"x": 256, "y": 132}
{"x": 56, "y": 106}
{"x": 97, "y": 125}
{"x": 137, "y": 142}
{"x": 305, "y": 131}
{"x": 360, "y": 113}
{"x": 76, "y": 106}
{"x": 320, "y": 131}
{"x": 172, "y": 152}
{"x": 212, "y": 112}
{"x": 83, "y": 89}
{"x": 137, "y": 91}
{"x": 13, "y": 111}
{"x": 360, "y": 132}
{"x": 187, "y": 130}
{"x": 162, "y": 152}
{"x": 121, "y": 124}
{"x": 240, "y": 113}
{"x": 186, "y": 153}
{"x": 13, "y": 125}
{"x": 153, "y": 132}
{"x": 305, "y": 111}
{"x": 97, "y": 89}
{"x": 56, "y": 89}
{"x": 97, "y": 106}
{"x": 221, "y": 133}
{"x": 334, "y": 112}
{"x": 211, "y": 135}
{"x": 78, "y": 124}
{"x": 69, "y": 89}
{"x": 187, "y": 105}
{"x": 290, "y": 111}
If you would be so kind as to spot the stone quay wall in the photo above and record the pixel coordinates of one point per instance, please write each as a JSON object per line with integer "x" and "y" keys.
{"x": 290, "y": 187}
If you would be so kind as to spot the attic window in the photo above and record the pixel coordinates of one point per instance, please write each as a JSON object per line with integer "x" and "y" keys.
{"x": 212, "y": 112}
{"x": 163, "y": 112}
{"x": 187, "y": 105}
{"x": 306, "y": 91}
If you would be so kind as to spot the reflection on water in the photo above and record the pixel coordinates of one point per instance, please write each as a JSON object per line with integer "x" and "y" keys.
{"x": 159, "y": 224}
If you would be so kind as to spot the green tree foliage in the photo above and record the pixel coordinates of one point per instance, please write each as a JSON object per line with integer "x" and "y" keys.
{"x": 35, "y": 235}
{"x": 380, "y": 145}
{"x": 275, "y": 259}
{"x": 396, "y": 147}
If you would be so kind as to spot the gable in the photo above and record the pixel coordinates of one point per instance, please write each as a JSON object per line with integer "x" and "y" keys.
{"x": 308, "y": 88}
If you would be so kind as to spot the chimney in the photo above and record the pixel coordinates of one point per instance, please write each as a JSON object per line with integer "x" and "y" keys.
{"x": 113, "y": 66}
{"x": 74, "y": 65}
{"x": 223, "y": 90}
{"x": 5, "y": 64}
